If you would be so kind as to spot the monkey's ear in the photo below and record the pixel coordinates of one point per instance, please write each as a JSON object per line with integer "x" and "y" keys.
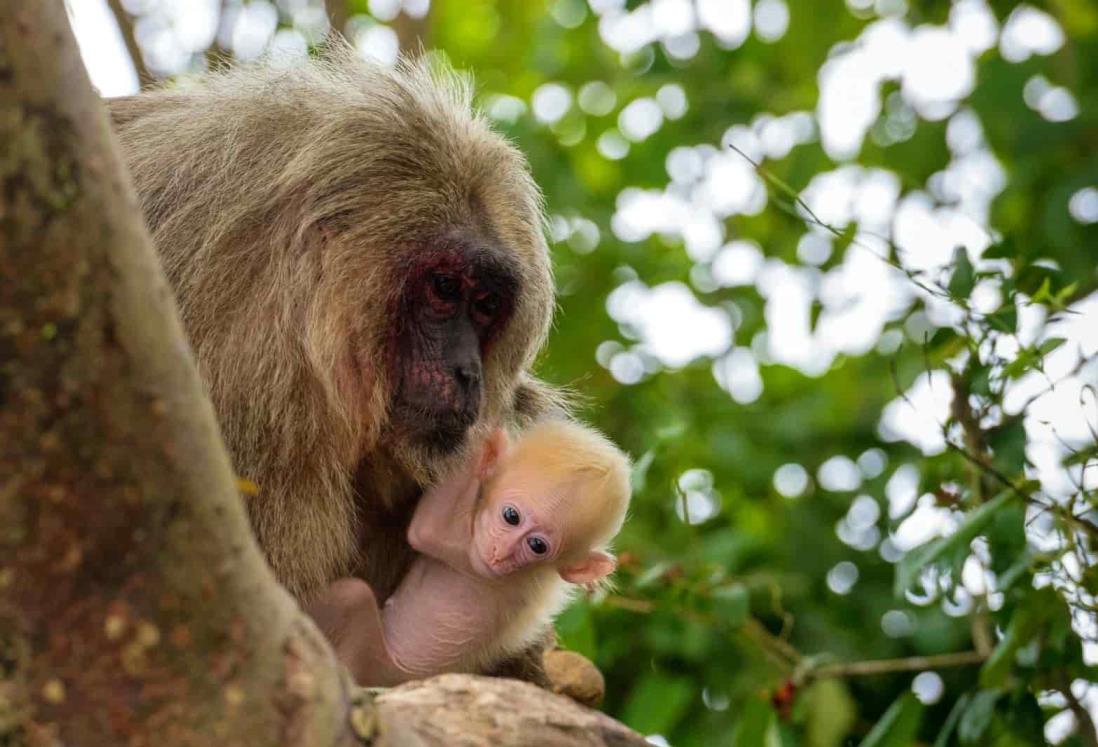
{"x": 597, "y": 565}
{"x": 495, "y": 447}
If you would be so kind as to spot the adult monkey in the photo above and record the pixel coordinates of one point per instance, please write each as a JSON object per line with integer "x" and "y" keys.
{"x": 361, "y": 270}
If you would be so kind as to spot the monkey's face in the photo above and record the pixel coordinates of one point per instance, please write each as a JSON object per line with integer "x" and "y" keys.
{"x": 519, "y": 523}
{"x": 456, "y": 303}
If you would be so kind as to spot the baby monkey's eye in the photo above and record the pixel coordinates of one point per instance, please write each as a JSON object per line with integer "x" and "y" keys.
{"x": 511, "y": 515}
{"x": 537, "y": 545}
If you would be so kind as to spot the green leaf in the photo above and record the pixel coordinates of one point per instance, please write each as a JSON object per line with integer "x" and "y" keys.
{"x": 951, "y": 721}
{"x": 731, "y": 605}
{"x": 657, "y": 702}
{"x": 974, "y": 523}
{"x": 1016, "y": 571}
{"x": 1050, "y": 344}
{"x": 830, "y": 713}
{"x": 1005, "y": 319}
{"x": 1008, "y": 443}
{"x": 639, "y": 477}
{"x": 977, "y": 716}
{"x": 964, "y": 277}
{"x": 576, "y": 629}
{"x": 1023, "y": 625}
{"x": 757, "y": 726}
{"x": 1005, "y": 249}
{"x": 898, "y": 725}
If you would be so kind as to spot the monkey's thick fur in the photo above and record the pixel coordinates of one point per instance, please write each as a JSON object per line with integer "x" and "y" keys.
{"x": 288, "y": 205}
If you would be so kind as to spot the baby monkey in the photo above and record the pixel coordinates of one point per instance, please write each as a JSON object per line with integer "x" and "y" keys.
{"x": 502, "y": 541}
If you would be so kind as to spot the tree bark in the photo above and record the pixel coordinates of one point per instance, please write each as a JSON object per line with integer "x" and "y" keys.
{"x": 135, "y": 605}
{"x": 460, "y": 710}
{"x": 135, "y": 608}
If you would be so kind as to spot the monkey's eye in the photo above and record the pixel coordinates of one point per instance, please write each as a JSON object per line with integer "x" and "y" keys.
{"x": 537, "y": 545}
{"x": 447, "y": 287}
{"x": 511, "y": 515}
{"x": 487, "y": 305}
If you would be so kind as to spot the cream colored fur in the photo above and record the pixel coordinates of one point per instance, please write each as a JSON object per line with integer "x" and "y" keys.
{"x": 286, "y": 205}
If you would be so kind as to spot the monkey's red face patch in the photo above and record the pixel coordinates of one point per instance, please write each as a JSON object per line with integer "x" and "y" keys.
{"x": 456, "y": 302}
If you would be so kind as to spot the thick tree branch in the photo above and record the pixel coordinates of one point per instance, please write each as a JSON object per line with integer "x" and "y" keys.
{"x": 458, "y": 709}
{"x": 126, "y": 26}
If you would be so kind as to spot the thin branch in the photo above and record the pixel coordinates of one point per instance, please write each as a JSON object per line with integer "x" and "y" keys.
{"x": 338, "y": 16}
{"x": 1006, "y": 482}
{"x": 126, "y": 26}
{"x": 412, "y": 33}
{"x": 1084, "y": 724}
{"x": 889, "y": 666}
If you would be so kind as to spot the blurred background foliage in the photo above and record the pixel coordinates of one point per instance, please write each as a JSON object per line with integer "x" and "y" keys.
{"x": 827, "y": 271}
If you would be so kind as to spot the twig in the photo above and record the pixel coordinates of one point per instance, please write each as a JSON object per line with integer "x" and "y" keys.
{"x": 412, "y": 33}
{"x": 758, "y": 632}
{"x": 1006, "y": 482}
{"x": 126, "y": 26}
{"x": 1084, "y": 724}
{"x": 975, "y": 439}
{"x": 338, "y": 16}
{"x": 888, "y": 666}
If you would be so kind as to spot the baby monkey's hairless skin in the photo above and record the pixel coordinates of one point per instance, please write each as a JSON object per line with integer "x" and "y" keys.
{"x": 501, "y": 541}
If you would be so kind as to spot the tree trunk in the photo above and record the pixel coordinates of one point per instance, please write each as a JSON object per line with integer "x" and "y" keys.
{"x": 135, "y": 606}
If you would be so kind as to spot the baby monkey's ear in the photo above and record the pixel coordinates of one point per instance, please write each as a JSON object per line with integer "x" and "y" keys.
{"x": 495, "y": 448}
{"x": 596, "y": 566}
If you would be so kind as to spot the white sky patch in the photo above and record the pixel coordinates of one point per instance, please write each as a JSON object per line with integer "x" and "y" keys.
{"x": 789, "y": 291}
{"x": 738, "y": 374}
{"x": 925, "y": 523}
{"x": 1083, "y": 205}
{"x": 550, "y": 102}
{"x": 1029, "y": 32}
{"x": 669, "y": 322}
{"x": 771, "y": 19}
{"x": 728, "y": 20}
{"x": 102, "y": 48}
{"x": 640, "y": 119}
{"x": 1065, "y": 411}
{"x": 918, "y": 416}
{"x": 938, "y": 67}
{"x": 842, "y": 577}
{"x": 672, "y": 100}
{"x": 791, "y": 480}
{"x": 737, "y": 263}
{"x": 378, "y": 43}
{"x": 934, "y": 64}
{"x": 839, "y": 474}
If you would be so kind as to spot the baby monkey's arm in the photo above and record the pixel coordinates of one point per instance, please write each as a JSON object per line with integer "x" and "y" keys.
{"x": 442, "y": 525}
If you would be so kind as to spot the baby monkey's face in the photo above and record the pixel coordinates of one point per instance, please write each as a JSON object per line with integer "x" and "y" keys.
{"x": 518, "y": 524}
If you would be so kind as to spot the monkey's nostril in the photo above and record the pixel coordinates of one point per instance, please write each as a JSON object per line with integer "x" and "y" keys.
{"x": 467, "y": 375}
